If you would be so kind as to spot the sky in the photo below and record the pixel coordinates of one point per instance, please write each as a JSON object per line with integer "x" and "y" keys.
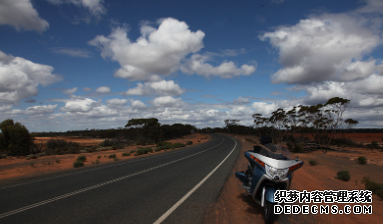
{"x": 95, "y": 64}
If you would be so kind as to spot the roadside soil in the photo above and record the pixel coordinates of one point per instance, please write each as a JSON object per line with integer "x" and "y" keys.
{"x": 233, "y": 206}
{"x": 14, "y": 169}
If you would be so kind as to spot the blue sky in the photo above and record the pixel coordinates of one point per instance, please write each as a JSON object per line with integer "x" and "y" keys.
{"x": 78, "y": 64}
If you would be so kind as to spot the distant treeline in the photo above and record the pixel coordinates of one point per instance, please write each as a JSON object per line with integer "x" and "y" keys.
{"x": 144, "y": 131}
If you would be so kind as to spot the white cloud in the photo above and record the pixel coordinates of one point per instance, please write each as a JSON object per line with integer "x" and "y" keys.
{"x": 21, "y": 15}
{"x": 95, "y": 7}
{"x": 20, "y": 78}
{"x": 162, "y": 88}
{"x": 78, "y": 105}
{"x": 323, "y": 48}
{"x": 5, "y": 108}
{"x": 197, "y": 64}
{"x": 103, "y": 89}
{"x": 264, "y": 108}
{"x": 74, "y": 52}
{"x": 241, "y": 101}
{"x": 156, "y": 53}
{"x": 70, "y": 91}
{"x": 138, "y": 104}
{"x": 167, "y": 101}
{"x": 116, "y": 102}
{"x": 87, "y": 89}
{"x": 44, "y": 109}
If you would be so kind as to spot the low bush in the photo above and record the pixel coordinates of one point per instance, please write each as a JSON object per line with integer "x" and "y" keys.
{"x": 41, "y": 154}
{"x": 189, "y": 143}
{"x": 290, "y": 146}
{"x": 144, "y": 150}
{"x": 376, "y": 188}
{"x": 58, "y": 161}
{"x": 343, "y": 175}
{"x": 298, "y": 147}
{"x": 313, "y": 162}
{"x": 3, "y": 156}
{"x": 291, "y": 138}
{"x": 96, "y": 162}
{"x": 78, "y": 163}
{"x": 81, "y": 158}
{"x": 126, "y": 154}
{"x": 115, "y": 159}
{"x": 164, "y": 145}
{"x": 178, "y": 145}
{"x": 98, "y": 157}
{"x": 112, "y": 156}
{"x": 83, "y": 151}
{"x": 373, "y": 145}
{"x": 31, "y": 157}
{"x": 104, "y": 148}
{"x": 132, "y": 151}
{"x": 342, "y": 142}
{"x": 362, "y": 160}
{"x": 60, "y": 147}
{"x": 110, "y": 142}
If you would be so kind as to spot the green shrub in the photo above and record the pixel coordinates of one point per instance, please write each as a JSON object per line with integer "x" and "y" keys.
{"x": 78, "y": 163}
{"x": 143, "y": 150}
{"x": 31, "y": 157}
{"x": 115, "y": 159}
{"x": 96, "y": 162}
{"x": 291, "y": 138}
{"x": 189, "y": 143}
{"x": 362, "y": 160}
{"x": 15, "y": 138}
{"x": 376, "y": 188}
{"x": 126, "y": 154}
{"x": 60, "y": 147}
{"x": 41, "y": 154}
{"x": 83, "y": 151}
{"x": 112, "y": 156}
{"x": 165, "y": 145}
{"x": 132, "y": 151}
{"x": 343, "y": 175}
{"x": 104, "y": 148}
{"x": 313, "y": 162}
{"x": 290, "y": 146}
{"x": 81, "y": 158}
{"x": 110, "y": 142}
{"x": 298, "y": 148}
{"x": 178, "y": 145}
{"x": 98, "y": 157}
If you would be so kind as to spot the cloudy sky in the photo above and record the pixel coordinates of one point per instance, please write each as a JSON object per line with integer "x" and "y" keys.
{"x": 77, "y": 64}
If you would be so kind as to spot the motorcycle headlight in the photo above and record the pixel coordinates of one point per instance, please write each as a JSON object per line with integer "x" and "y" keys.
{"x": 273, "y": 172}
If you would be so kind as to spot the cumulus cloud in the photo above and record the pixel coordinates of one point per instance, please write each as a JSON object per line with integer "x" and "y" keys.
{"x": 116, "y": 102}
{"x": 21, "y": 15}
{"x": 95, "y": 7}
{"x": 156, "y": 53}
{"x": 197, "y": 64}
{"x": 70, "y": 91}
{"x": 138, "y": 104}
{"x": 264, "y": 108}
{"x": 74, "y": 52}
{"x": 162, "y": 88}
{"x": 44, "y": 109}
{"x": 88, "y": 108}
{"x": 322, "y": 48}
{"x": 167, "y": 101}
{"x": 20, "y": 78}
{"x": 103, "y": 89}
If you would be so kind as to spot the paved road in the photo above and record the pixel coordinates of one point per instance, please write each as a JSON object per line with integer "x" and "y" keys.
{"x": 139, "y": 191}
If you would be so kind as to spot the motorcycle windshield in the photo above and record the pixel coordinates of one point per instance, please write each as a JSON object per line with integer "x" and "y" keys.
{"x": 279, "y": 149}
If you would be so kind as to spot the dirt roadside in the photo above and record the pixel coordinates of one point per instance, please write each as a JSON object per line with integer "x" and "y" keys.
{"x": 233, "y": 206}
{"x": 14, "y": 169}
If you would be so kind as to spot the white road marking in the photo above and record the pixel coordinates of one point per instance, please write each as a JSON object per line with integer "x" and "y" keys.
{"x": 98, "y": 185}
{"x": 176, "y": 205}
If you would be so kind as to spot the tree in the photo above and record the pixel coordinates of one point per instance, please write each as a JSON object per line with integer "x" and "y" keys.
{"x": 15, "y": 138}
{"x": 231, "y": 124}
{"x": 336, "y": 106}
{"x": 143, "y": 123}
{"x": 350, "y": 123}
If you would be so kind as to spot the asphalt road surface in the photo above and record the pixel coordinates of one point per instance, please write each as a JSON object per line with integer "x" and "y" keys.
{"x": 175, "y": 187}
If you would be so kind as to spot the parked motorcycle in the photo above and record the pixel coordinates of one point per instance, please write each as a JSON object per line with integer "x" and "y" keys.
{"x": 270, "y": 169}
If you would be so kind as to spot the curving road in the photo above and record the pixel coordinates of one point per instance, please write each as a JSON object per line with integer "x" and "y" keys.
{"x": 175, "y": 187}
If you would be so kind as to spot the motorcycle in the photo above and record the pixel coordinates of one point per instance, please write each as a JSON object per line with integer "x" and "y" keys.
{"x": 270, "y": 168}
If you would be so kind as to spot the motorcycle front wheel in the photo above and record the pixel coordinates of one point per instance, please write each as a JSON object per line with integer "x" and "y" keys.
{"x": 269, "y": 212}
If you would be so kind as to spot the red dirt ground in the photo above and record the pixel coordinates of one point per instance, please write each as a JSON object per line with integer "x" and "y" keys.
{"x": 233, "y": 206}
{"x": 14, "y": 169}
